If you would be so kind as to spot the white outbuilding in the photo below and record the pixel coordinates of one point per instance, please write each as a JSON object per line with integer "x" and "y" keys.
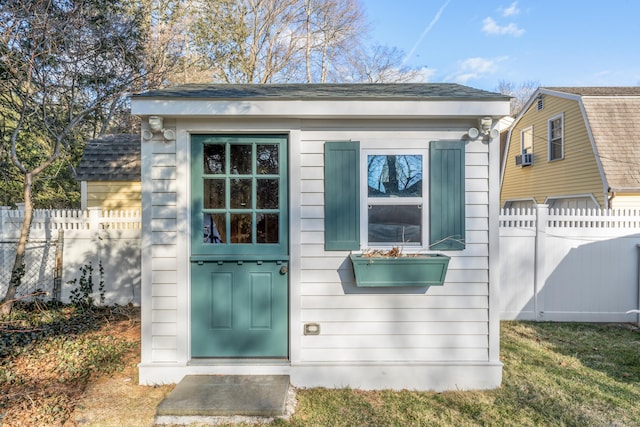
{"x": 258, "y": 202}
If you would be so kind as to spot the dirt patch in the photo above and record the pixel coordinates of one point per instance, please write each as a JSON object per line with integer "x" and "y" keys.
{"x": 118, "y": 399}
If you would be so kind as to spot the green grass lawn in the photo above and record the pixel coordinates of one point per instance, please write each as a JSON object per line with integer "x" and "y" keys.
{"x": 555, "y": 374}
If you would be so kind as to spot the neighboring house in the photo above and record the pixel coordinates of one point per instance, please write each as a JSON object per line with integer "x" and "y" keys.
{"x": 109, "y": 173}
{"x": 575, "y": 147}
{"x": 254, "y": 197}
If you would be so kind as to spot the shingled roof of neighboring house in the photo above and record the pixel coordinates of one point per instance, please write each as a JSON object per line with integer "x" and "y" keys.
{"x": 599, "y": 90}
{"x": 324, "y": 91}
{"x": 111, "y": 158}
{"x": 613, "y": 115}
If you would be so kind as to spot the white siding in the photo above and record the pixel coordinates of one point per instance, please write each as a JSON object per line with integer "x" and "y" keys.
{"x": 440, "y": 338}
{"x": 448, "y": 323}
{"x": 159, "y": 251}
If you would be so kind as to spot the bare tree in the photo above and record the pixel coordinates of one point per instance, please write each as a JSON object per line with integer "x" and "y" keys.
{"x": 382, "y": 64}
{"x": 169, "y": 50}
{"x": 335, "y": 31}
{"x": 520, "y": 94}
{"x": 267, "y": 41}
{"x": 249, "y": 41}
{"x": 63, "y": 62}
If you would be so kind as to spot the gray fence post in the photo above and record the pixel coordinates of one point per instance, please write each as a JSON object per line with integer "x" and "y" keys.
{"x": 57, "y": 280}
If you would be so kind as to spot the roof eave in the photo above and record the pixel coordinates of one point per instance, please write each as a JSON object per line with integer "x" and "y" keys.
{"x": 624, "y": 189}
{"x": 325, "y": 108}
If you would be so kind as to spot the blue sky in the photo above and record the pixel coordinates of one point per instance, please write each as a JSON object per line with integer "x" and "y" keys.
{"x": 481, "y": 42}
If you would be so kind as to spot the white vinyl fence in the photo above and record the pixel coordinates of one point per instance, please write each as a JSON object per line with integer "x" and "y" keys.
{"x": 63, "y": 241}
{"x": 569, "y": 265}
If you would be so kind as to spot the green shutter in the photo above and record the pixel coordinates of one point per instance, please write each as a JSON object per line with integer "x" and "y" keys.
{"x": 446, "y": 195}
{"x": 341, "y": 196}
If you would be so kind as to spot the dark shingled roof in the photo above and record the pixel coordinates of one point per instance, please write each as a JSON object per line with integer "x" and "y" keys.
{"x": 111, "y": 158}
{"x": 324, "y": 91}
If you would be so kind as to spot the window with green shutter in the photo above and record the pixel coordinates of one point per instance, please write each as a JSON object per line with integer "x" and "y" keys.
{"x": 383, "y": 196}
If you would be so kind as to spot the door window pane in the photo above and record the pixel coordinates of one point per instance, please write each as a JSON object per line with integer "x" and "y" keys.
{"x": 241, "y": 228}
{"x": 267, "y": 228}
{"x": 240, "y": 192}
{"x": 394, "y": 175}
{"x": 267, "y": 159}
{"x": 214, "y": 159}
{"x": 267, "y": 193}
{"x": 214, "y": 193}
{"x": 214, "y": 228}
{"x": 395, "y": 224}
{"x": 240, "y": 159}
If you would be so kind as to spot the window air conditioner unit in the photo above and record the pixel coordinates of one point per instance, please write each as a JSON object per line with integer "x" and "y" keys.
{"x": 525, "y": 159}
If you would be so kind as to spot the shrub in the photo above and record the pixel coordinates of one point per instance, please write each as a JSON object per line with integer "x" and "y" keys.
{"x": 83, "y": 294}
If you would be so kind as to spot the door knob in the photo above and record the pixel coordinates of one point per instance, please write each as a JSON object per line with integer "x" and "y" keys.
{"x": 284, "y": 270}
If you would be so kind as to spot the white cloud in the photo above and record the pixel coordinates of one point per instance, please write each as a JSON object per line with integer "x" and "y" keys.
{"x": 476, "y": 68}
{"x": 511, "y": 10}
{"x": 464, "y": 78}
{"x": 425, "y": 75}
{"x": 491, "y": 27}
{"x": 480, "y": 65}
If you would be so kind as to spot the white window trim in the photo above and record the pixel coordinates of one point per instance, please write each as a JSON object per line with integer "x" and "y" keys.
{"x": 522, "y": 134}
{"x": 365, "y": 200}
{"x": 551, "y": 119}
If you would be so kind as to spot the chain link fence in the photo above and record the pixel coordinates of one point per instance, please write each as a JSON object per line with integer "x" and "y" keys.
{"x": 40, "y": 268}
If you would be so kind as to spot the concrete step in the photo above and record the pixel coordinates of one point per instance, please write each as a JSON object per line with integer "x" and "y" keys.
{"x": 225, "y": 396}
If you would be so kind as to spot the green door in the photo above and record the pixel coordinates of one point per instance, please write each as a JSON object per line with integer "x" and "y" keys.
{"x": 239, "y": 246}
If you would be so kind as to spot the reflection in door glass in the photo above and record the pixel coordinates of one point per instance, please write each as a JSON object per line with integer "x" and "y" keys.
{"x": 267, "y": 228}
{"x": 240, "y": 159}
{"x": 213, "y": 234}
{"x": 214, "y": 161}
{"x": 267, "y": 159}
{"x": 240, "y": 194}
{"x": 241, "y": 228}
{"x": 267, "y": 193}
{"x": 214, "y": 193}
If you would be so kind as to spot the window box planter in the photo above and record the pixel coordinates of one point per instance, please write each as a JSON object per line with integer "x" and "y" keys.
{"x": 407, "y": 270}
